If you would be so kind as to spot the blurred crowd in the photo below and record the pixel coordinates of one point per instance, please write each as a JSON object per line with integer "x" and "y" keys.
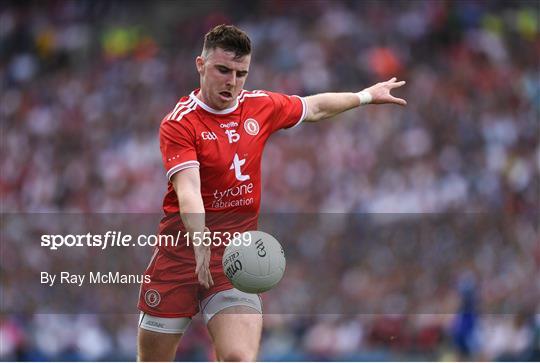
{"x": 86, "y": 83}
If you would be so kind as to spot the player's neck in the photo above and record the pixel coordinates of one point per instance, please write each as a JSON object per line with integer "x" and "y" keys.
{"x": 202, "y": 96}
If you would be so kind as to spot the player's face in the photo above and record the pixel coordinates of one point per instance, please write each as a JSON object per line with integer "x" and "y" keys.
{"x": 222, "y": 77}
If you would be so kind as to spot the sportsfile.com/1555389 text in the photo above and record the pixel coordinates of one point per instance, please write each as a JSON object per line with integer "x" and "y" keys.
{"x": 120, "y": 239}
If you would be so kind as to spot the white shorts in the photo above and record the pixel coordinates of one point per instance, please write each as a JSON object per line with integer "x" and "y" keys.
{"x": 209, "y": 307}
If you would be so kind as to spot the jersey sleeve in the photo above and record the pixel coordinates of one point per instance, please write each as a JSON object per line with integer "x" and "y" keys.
{"x": 178, "y": 147}
{"x": 289, "y": 111}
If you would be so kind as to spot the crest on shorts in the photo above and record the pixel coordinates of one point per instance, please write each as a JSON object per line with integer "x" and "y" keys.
{"x": 251, "y": 126}
{"x": 152, "y": 298}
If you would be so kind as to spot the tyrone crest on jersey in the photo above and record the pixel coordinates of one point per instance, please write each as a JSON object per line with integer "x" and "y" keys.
{"x": 251, "y": 126}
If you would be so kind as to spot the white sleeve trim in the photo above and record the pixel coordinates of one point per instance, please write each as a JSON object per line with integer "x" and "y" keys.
{"x": 304, "y": 112}
{"x": 185, "y": 165}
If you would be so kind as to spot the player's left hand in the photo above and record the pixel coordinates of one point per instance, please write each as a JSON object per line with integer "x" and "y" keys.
{"x": 380, "y": 92}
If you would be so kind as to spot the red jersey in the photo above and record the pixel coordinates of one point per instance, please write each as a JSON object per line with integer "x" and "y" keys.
{"x": 227, "y": 147}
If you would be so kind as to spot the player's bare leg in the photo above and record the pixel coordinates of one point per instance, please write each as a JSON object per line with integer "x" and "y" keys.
{"x": 154, "y": 347}
{"x": 236, "y": 333}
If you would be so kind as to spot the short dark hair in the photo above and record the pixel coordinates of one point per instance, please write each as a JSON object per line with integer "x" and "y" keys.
{"x": 229, "y": 38}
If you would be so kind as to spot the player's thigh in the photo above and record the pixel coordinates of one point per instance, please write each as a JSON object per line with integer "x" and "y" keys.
{"x": 156, "y": 347}
{"x": 236, "y": 333}
{"x": 158, "y": 337}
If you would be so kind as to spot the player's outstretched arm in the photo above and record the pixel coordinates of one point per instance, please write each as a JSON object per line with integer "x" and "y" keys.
{"x": 325, "y": 105}
{"x": 187, "y": 184}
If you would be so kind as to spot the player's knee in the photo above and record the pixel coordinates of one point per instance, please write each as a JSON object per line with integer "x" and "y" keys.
{"x": 239, "y": 355}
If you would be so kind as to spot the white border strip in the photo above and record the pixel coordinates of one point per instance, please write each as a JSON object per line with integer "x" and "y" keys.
{"x": 164, "y": 325}
{"x": 182, "y": 166}
{"x": 304, "y": 112}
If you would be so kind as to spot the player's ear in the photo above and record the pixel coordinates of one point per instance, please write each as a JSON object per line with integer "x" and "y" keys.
{"x": 199, "y": 63}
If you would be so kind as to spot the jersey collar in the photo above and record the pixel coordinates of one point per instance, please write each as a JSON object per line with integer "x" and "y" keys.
{"x": 210, "y": 109}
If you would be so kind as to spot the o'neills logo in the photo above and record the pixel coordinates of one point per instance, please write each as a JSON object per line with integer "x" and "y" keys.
{"x": 152, "y": 298}
{"x": 251, "y": 126}
{"x": 229, "y": 124}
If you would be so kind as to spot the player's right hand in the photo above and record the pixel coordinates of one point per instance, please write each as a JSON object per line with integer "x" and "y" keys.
{"x": 202, "y": 261}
